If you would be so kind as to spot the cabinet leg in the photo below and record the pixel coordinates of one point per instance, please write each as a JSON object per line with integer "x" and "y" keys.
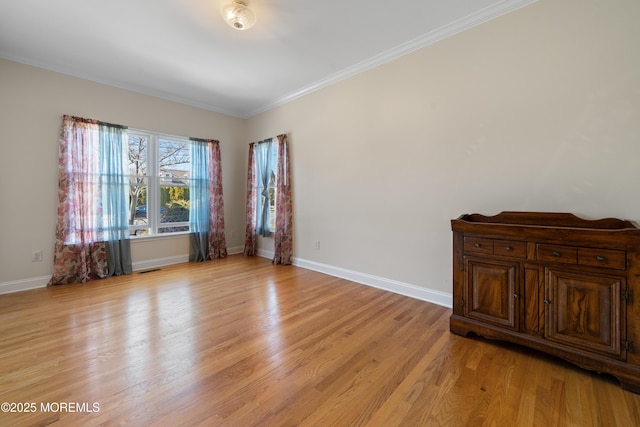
{"x": 457, "y": 327}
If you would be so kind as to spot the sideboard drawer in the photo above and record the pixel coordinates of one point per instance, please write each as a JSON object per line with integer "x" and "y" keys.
{"x": 478, "y": 245}
{"x": 608, "y": 258}
{"x": 512, "y": 248}
{"x": 557, "y": 253}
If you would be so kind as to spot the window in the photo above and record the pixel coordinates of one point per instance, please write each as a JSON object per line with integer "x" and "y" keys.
{"x": 266, "y": 155}
{"x": 269, "y": 208}
{"x": 160, "y": 177}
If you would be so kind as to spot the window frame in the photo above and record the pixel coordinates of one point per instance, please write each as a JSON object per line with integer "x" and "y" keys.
{"x": 271, "y": 226}
{"x": 154, "y": 183}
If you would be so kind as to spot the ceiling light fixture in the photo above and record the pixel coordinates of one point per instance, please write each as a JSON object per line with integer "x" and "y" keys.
{"x": 238, "y": 15}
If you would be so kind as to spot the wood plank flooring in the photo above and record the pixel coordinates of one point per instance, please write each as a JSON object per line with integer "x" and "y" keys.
{"x": 240, "y": 342}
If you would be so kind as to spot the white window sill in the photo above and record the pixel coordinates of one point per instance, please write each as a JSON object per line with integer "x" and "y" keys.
{"x": 168, "y": 236}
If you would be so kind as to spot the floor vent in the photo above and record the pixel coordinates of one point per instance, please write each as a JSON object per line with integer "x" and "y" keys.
{"x": 149, "y": 271}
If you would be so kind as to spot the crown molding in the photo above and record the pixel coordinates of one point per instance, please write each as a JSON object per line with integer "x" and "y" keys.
{"x": 487, "y": 14}
{"x": 458, "y": 26}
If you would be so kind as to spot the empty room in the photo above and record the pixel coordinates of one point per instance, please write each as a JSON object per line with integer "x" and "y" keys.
{"x": 320, "y": 213}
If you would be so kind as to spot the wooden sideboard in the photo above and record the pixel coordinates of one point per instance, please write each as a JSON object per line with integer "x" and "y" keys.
{"x": 554, "y": 282}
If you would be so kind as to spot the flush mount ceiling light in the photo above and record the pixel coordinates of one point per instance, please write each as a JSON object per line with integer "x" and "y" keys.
{"x": 238, "y": 15}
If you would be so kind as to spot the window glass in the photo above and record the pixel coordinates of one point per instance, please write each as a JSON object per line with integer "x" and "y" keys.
{"x": 174, "y": 180}
{"x": 160, "y": 175}
{"x": 268, "y": 200}
{"x": 138, "y": 183}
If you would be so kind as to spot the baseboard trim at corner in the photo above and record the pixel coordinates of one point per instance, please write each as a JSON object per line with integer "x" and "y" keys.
{"x": 24, "y": 285}
{"x": 265, "y": 254}
{"x": 406, "y": 289}
{"x": 235, "y": 250}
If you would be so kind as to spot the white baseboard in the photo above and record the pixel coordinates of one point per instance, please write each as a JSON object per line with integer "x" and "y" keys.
{"x": 406, "y": 289}
{"x": 235, "y": 250}
{"x": 265, "y": 254}
{"x": 24, "y": 285}
{"x": 41, "y": 282}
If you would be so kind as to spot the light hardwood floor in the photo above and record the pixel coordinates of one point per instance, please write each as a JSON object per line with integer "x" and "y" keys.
{"x": 240, "y": 342}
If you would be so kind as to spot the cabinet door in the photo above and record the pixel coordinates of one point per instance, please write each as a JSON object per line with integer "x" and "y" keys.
{"x": 584, "y": 311}
{"x": 491, "y": 291}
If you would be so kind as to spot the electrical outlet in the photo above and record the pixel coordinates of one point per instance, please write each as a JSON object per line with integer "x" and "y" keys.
{"x": 316, "y": 245}
{"x": 36, "y": 256}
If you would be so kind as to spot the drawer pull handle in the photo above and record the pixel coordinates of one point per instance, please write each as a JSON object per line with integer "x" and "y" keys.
{"x": 601, "y": 258}
{"x": 477, "y": 245}
{"x": 509, "y": 248}
{"x": 555, "y": 254}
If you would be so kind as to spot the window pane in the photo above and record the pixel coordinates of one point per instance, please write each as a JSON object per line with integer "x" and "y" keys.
{"x": 174, "y": 203}
{"x": 174, "y": 158}
{"x": 138, "y": 191}
{"x": 270, "y": 201}
{"x": 272, "y": 186}
{"x": 160, "y": 175}
{"x": 138, "y": 181}
{"x": 272, "y": 209}
{"x": 138, "y": 151}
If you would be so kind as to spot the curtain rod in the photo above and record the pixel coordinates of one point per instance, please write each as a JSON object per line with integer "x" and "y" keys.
{"x": 112, "y": 125}
{"x": 95, "y": 122}
{"x": 264, "y": 141}
{"x": 203, "y": 140}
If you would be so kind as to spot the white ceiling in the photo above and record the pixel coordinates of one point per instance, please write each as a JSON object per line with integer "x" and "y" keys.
{"x": 181, "y": 50}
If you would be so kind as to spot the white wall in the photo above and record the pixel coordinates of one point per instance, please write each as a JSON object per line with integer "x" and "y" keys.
{"x": 32, "y": 102}
{"x": 537, "y": 110}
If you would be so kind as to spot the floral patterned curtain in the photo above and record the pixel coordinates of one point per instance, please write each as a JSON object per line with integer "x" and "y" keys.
{"x": 217, "y": 241}
{"x": 283, "y": 233}
{"x": 206, "y": 215}
{"x": 250, "y": 238}
{"x": 283, "y": 236}
{"x": 80, "y": 252}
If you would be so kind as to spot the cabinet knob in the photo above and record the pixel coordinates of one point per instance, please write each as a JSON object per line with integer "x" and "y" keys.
{"x": 509, "y": 248}
{"x": 601, "y": 258}
{"x": 555, "y": 254}
{"x": 547, "y": 301}
{"x": 477, "y": 245}
{"x": 516, "y": 296}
